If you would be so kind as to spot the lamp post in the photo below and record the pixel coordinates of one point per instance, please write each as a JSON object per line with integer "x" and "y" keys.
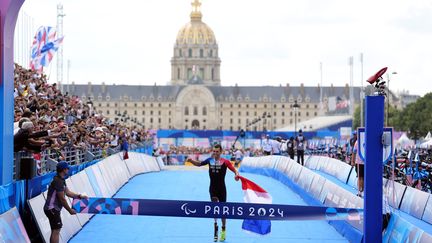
{"x": 388, "y": 98}
{"x": 295, "y": 106}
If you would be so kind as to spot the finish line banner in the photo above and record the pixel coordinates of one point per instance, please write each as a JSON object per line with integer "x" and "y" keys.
{"x": 200, "y": 209}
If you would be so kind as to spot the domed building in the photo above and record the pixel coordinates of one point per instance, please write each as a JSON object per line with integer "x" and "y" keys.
{"x": 196, "y": 100}
{"x": 195, "y": 59}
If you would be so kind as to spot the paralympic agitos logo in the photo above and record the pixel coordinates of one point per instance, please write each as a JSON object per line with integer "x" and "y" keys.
{"x": 216, "y": 210}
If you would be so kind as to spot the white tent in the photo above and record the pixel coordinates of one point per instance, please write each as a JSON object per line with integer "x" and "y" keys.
{"x": 427, "y": 144}
{"x": 428, "y": 137}
{"x": 404, "y": 141}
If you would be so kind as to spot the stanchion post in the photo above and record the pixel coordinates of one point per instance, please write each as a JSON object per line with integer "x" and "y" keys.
{"x": 373, "y": 169}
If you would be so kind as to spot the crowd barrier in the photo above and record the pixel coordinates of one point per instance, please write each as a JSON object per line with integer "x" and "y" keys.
{"x": 12, "y": 228}
{"x": 102, "y": 179}
{"x": 414, "y": 202}
{"x": 312, "y": 187}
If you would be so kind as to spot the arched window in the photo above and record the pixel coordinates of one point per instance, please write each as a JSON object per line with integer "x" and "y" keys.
{"x": 195, "y": 110}
{"x": 190, "y": 52}
{"x": 201, "y": 53}
{"x": 186, "y": 111}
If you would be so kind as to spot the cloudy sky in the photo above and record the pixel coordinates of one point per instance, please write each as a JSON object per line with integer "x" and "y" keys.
{"x": 267, "y": 42}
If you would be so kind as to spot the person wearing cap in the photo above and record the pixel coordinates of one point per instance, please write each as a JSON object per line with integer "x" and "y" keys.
{"x": 56, "y": 200}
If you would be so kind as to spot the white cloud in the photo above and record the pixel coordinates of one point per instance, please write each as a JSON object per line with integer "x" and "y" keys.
{"x": 261, "y": 42}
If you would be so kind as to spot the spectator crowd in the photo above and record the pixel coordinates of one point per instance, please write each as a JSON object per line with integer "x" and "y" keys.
{"x": 47, "y": 121}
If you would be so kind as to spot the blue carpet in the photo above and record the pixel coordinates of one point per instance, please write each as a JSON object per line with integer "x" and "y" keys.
{"x": 193, "y": 185}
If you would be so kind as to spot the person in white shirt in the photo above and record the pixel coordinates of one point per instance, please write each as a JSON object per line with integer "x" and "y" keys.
{"x": 238, "y": 157}
{"x": 276, "y": 146}
{"x": 267, "y": 146}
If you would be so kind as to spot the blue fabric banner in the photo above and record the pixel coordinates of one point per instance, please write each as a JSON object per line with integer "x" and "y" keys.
{"x": 200, "y": 209}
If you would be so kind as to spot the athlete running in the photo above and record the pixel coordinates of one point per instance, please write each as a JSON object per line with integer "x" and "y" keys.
{"x": 217, "y": 171}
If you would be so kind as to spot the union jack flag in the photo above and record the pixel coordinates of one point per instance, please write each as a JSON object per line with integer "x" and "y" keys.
{"x": 44, "y": 47}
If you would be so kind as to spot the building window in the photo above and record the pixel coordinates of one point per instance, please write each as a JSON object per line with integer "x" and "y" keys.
{"x": 151, "y": 104}
{"x": 135, "y": 112}
{"x": 255, "y": 106}
{"x": 100, "y": 104}
{"x": 307, "y": 113}
{"x": 143, "y": 113}
{"x": 255, "y": 113}
{"x": 178, "y": 73}
{"x": 189, "y": 73}
{"x": 239, "y": 105}
{"x": 221, "y": 105}
{"x": 135, "y": 105}
{"x": 107, "y": 112}
{"x": 274, "y": 113}
{"x": 143, "y": 104}
{"x": 265, "y": 105}
{"x": 211, "y": 53}
{"x": 115, "y": 104}
{"x": 201, "y": 53}
{"x": 143, "y": 120}
{"x": 315, "y": 113}
{"x": 159, "y": 113}
{"x": 190, "y": 52}
{"x": 231, "y": 121}
{"x": 283, "y": 121}
{"x": 316, "y": 106}
{"x": 239, "y": 120}
{"x": 247, "y": 105}
{"x": 169, "y": 113}
{"x": 125, "y": 104}
{"x": 195, "y": 111}
{"x": 107, "y": 104}
{"x": 274, "y": 121}
{"x": 180, "y": 53}
{"x": 307, "y": 106}
{"x": 231, "y": 106}
{"x": 231, "y": 128}
{"x": 169, "y": 120}
{"x": 291, "y": 120}
{"x": 221, "y": 113}
{"x": 239, "y": 113}
{"x": 151, "y": 119}
{"x": 201, "y": 73}
{"x": 283, "y": 113}
{"x": 204, "y": 111}
{"x": 299, "y": 113}
{"x": 151, "y": 113}
{"x": 247, "y": 113}
{"x": 160, "y": 105}
{"x": 290, "y": 113}
{"x": 159, "y": 120}
{"x": 212, "y": 74}
{"x": 186, "y": 111}
{"x": 231, "y": 113}
{"x": 283, "y": 106}
{"x": 274, "y": 106}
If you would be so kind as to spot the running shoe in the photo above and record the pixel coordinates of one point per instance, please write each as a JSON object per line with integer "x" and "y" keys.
{"x": 223, "y": 236}
{"x": 215, "y": 232}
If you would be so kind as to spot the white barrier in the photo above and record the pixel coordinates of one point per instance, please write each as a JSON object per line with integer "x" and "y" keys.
{"x": 109, "y": 175}
{"x": 82, "y": 218}
{"x": 36, "y": 207}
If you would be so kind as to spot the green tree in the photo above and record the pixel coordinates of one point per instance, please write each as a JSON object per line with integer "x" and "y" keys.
{"x": 416, "y": 118}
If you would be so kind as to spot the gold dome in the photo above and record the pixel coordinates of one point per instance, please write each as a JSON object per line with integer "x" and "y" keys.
{"x": 196, "y": 31}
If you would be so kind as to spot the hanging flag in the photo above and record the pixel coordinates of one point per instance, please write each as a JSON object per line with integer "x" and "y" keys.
{"x": 44, "y": 47}
{"x": 252, "y": 193}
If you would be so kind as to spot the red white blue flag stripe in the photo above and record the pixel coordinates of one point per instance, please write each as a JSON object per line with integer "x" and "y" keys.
{"x": 252, "y": 193}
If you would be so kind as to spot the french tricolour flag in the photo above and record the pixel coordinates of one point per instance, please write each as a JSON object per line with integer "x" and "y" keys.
{"x": 252, "y": 193}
